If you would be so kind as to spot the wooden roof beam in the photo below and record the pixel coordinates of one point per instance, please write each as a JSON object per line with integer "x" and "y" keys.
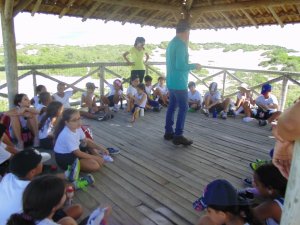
{"x": 66, "y": 9}
{"x": 228, "y": 20}
{"x": 21, "y": 5}
{"x": 298, "y": 8}
{"x": 132, "y": 15}
{"x": 142, "y": 4}
{"x": 36, "y": 7}
{"x": 149, "y": 18}
{"x": 276, "y": 16}
{"x": 91, "y": 11}
{"x": 240, "y": 5}
{"x": 249, "y": 18}
{"x": 112, "y": 15}
{"x": 209, "y": 23}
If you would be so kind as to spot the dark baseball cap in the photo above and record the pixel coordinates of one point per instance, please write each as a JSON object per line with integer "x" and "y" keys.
{"x": 24, "y": 161}
{"x": 266, "y": 88}
{"x": 219, "y": 193}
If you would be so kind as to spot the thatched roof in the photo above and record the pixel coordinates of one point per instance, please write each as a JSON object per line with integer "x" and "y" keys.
{"x": 204, "y": 14}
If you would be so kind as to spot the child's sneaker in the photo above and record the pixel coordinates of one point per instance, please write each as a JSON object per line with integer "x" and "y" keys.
{"x": 107, "y": 158}
{"x": 224, "y": 115}
{"x": 192, "y": 110}
{"x": 205, "y": 112}
{"x": 258, "y": 163}
{"x": 113, "y": 151}
{"x": 248, "y": 181}
{"x": 83, "y": 182}
{"x": 72, "y": 173}
{"x": 36, "y": 142}
{"x": 20, "y": 146}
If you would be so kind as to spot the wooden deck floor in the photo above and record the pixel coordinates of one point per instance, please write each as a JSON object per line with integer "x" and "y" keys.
{"x": 153, "y": 182}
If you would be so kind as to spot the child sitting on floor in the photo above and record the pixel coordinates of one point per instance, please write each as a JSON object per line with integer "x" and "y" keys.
{"x": 224, "y": 206}
{"x": 194, "y": 97}
{"x": 47, "y": 124}
{"x": 161, "y": 91}
{"x": 35, "y": 100}
{"x": 271, "y": 185}
{"x": 114, "y": 96}
{"x": 131, "y": 92}
{"x": 151, "y": 103}
{"x": 88, "y": 100}
{"x": 62, "y": 95}
{"x": 140, "y": 100}
{"x": 23, "y": 117}
{"x": 70, "y": 139}
{"x": 45, "y": 99}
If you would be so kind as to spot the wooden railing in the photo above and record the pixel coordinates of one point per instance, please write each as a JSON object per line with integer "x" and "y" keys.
{"x": 229, "y": 78}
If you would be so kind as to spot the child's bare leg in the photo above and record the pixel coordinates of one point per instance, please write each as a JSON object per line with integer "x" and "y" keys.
{"x": 67, "y": 221}
{"x": 225, "y": 104}
{"x": 16, "y": 127}
{"x": 89, "y": 165}
{"x": 135, "y": 115}
{"x": 74, "y": 211}
{"x": 247, "y": 109}
{"x": 104, "y": 100}
{"x": 274, "y": 116}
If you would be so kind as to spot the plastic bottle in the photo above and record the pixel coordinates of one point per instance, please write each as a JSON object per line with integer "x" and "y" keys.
{"x": 70, "y": 195}
{"x": 215, "y": 113}
{"x": 142, "y": 112}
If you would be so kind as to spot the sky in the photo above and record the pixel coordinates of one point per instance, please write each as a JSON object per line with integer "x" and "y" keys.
{"x": 48, "y": 29}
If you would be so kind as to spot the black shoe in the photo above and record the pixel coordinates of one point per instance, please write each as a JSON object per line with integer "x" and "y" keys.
{"x": 168, "y": 136}
{"x": 181, "y": 140}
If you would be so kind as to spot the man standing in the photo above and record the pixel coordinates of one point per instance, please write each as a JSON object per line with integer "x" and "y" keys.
{"x": 178, "y": 68}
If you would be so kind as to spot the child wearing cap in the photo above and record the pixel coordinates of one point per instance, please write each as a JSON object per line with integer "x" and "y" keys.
{"x": 267, "y": 104}
{"x": 88, "y": 100}
{"x": 194, "y": 97}
{"x": 24, "y": 166}
{"x": 213, "y": 102}
{"x": 114, "y": 96}
{"x": 62, "y": 95}
{"x": 244, "y": 101}
{"x": 224, "y": 206}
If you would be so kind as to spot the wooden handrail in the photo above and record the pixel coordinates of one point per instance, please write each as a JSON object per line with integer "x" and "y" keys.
{"x": 101, "y": 68}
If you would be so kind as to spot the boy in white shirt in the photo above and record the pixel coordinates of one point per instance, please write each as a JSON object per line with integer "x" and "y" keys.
{"x": 194, "y": 97}
{"x": 213, "y": 102}
{"x": 63, "y": 96}
{"x": 151, "y": 103}
{"x": 267, "y": 104}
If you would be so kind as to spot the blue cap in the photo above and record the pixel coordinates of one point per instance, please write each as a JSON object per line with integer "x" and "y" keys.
{"x": 218, "y": 193}
{"x": 266, "y": 88}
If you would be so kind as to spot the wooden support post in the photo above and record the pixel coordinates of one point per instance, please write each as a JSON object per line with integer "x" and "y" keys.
{"x": 147, "y": 70}
{"x": 284, "y": 90}
{"x": 102, "y": 77}
{"x": 224, "y": 84}
{"x": 34, "y": 81}
{"x": 10, "y": 53}
{"x": 291, "y": 215}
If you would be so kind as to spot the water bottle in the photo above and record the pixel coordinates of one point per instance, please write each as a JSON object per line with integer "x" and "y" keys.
{"x": 70, "y": 195}
{"x": 215, "y": 113}
{"x": 142, "y": 112}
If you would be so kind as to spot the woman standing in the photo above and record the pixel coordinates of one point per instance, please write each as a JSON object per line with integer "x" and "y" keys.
{"x": 137, "y": 54}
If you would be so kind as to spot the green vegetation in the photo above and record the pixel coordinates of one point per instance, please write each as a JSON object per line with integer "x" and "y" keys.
{"x": 277, "y": 58}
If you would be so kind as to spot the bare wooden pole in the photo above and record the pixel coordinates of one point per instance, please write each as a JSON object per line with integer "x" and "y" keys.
{"x": 284, "y": 90}
{"x": 102, "y": 77}
{"x": 10, "y": 53}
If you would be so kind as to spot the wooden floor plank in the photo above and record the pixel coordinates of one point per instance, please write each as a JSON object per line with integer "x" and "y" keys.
{"x": 154, "y": 182}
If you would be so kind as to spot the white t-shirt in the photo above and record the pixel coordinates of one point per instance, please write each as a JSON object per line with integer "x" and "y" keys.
{"x": 148, "y": 89}
{"x": 11, "y": 191}
{"x": 139, "y": 97}
{"x": 64, "y": 100}
{"x": 261, "y": 100}
{"x": 4, "y": 155}
{"x": 36, "y": 100}
{"x": 46, "y": 130}
{"x": 46, "y": 222}
{"x": 215, "y": 97}
{"x": 68, "y": 141}
{"x": 163, "y": 89}
{"x": 131, "y": 90}
{"x": 195, "y": 97}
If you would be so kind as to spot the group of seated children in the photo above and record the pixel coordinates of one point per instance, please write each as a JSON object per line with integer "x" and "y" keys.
{"x": 264, "y": 108}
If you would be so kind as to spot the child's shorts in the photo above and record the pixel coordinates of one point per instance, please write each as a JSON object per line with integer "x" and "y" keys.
{"x": 219, "y": 107}
{"x": 65, "y": 160}
{"x": 260, "y": 114}
{"x": 111, "y": 100}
